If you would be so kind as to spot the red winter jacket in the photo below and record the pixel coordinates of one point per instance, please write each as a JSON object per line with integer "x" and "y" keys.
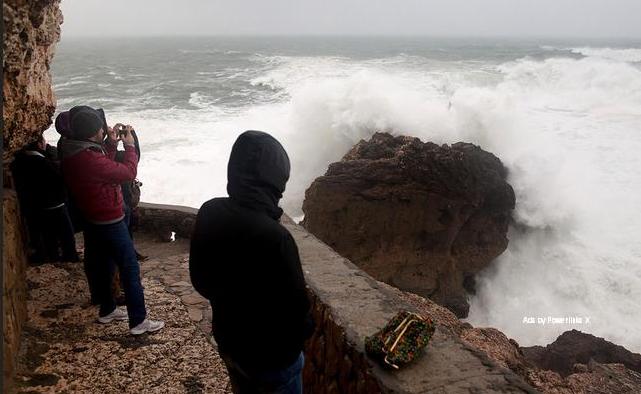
{"x": 93, "y": 178}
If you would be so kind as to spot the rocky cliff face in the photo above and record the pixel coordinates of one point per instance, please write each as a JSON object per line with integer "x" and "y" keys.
{"x": 421, "y": 217}
{"x": 14, "y": 289}
{"x": 31, "y": 30}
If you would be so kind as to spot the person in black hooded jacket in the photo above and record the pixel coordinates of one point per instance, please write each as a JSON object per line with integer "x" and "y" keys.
{"x": 247, "y": 264}
{"x": 43, "y": 204}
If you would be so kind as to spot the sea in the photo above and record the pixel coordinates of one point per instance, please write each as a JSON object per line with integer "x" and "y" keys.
{"x": 564, "y": 117}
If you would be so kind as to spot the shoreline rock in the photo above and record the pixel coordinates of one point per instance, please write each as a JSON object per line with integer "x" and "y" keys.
{"x": 576, "y": 347}
{"x": 421, "y": 217}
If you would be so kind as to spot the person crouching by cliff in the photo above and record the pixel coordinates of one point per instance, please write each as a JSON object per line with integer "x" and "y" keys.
{"x": 43, "y": 204}
{"x": 247, "y": 264}
{"x": 94, "y": 178}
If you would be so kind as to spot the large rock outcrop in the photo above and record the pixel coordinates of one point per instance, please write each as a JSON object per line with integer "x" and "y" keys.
{"x": 31, "y": 31}
{"x": 576, "y": 347}
{"x": 421, "y": 217}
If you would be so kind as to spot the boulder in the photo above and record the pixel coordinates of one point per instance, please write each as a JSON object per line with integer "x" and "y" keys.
{"x": 576, "y": 347}
{"x": 422, "y": 217}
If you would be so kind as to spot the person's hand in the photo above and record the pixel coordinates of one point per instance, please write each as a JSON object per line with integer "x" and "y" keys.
{"x": 112, "y": 133}
{"x": 128, "y": 138}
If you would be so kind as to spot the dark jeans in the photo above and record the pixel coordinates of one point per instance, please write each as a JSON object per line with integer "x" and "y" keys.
{"x": 288, "y": 380}
{"x": 106, "y": 246}
{"x": 92, "y": 278}
{"x": 50, "y": 230}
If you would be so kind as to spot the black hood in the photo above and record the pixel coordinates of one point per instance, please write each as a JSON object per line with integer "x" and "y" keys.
{"x": 257, "y": 172}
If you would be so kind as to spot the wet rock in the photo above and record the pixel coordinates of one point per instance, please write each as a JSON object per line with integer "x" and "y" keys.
{"x": 421, "y": 217}
{"x": 574, "y": 347}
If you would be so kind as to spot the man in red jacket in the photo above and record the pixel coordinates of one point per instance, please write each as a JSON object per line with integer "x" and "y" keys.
{"x": 93, "y": 179}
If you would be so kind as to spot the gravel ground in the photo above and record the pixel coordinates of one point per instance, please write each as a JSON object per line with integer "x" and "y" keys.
{"x": 65, "y": 350}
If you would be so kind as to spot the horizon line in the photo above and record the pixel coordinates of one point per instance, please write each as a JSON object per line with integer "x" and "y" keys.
{"x": 340, "y": 35}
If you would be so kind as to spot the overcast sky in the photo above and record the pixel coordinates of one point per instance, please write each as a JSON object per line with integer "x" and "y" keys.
{"x": 533, "y": 18}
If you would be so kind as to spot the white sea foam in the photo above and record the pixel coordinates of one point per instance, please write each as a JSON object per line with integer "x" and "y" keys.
{"x": 69, "y": 84}
{"x": 567, "y": 129}
{"x": 200, "y": 100}
{"x": 619, "y": 54}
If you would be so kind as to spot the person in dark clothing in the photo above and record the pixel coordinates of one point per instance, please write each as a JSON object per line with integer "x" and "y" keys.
{"x": 42, "y": 197}
{"x": 247, "y": 264}
{"x": 63, "y": 127}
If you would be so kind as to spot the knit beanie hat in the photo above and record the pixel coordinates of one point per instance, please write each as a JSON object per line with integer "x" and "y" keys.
{"x": 85, "y": 122}
{"x": 63, "y": 126}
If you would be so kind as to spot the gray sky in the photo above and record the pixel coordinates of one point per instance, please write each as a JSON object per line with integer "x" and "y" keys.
{"x": 545, "y": 18}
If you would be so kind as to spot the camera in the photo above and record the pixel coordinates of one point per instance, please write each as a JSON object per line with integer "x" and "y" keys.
{"x": 122, "y": 131}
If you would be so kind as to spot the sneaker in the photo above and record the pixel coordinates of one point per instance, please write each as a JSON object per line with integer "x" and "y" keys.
{"x": 117, "y": 314}
{"x": 147, "y": 325}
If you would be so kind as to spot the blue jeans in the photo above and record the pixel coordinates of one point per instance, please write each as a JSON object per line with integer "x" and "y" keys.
{"x": 108, "y": 245}
{"x": 288, "y": 380}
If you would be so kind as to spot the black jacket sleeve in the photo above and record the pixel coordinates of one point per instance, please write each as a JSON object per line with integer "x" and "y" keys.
{"x": 199, "y": 256}
{"x": 295, "y": 281}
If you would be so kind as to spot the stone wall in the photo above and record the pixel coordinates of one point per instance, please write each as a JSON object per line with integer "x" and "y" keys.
{"x": 164, "y": 219}
{"x": 349, "y": 305}
{"x": 13, "y": 281}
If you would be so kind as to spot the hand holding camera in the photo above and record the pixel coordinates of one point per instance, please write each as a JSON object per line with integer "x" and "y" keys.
{"x": 125, "y": 133}
{"x": 111, "y": 134}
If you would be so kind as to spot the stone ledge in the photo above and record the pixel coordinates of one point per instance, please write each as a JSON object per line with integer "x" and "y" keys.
{"x": 161, "y": 219}
{"x": 349, "y": 305}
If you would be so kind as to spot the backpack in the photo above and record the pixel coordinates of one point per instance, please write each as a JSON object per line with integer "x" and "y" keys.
{"x": 135, "y": 193}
